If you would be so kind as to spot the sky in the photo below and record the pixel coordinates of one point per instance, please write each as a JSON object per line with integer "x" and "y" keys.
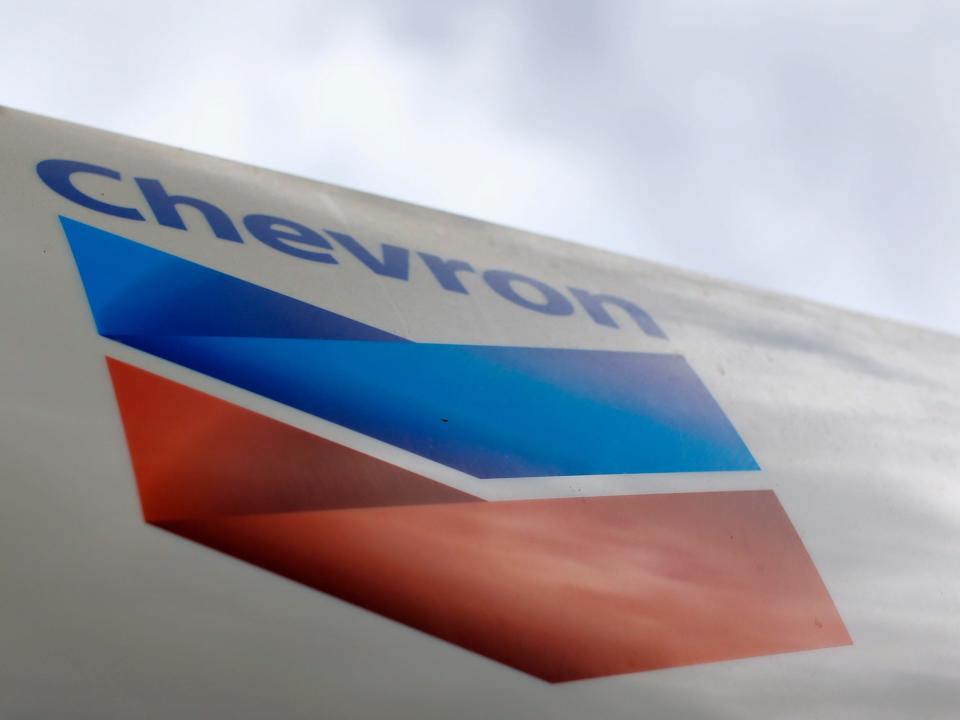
{"x": 811, "y": 148}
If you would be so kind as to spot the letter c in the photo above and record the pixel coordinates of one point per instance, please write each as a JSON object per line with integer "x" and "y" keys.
{"x": 56, "y": 174}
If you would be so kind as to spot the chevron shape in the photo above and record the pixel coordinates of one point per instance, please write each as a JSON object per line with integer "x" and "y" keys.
{"x": 488, "y": 411}
{"x": 562, "y": 589}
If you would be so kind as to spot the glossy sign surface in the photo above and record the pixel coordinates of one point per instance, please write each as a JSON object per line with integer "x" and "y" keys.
{"x": 853, "y": 421}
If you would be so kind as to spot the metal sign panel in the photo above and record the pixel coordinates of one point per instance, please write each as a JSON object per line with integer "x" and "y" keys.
{"x": 273, "y": 446}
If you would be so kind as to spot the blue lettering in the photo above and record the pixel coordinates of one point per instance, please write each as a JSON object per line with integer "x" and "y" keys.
{"x": 300, "y": 241}
{"x": 164, "y": 207}
{"x": 502, "y": 281}
{"x": 595, "y": 304}
{"x": 395, "y": 262}
{"x": 57, "y": 175}
{"x": 287, "y": 236}
{"x": 445, "y": 271}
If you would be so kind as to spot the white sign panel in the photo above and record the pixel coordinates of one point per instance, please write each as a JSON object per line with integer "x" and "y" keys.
{"x": 275, "y": 448}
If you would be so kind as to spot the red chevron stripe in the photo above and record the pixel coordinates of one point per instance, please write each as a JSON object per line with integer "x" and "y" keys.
{"x": 562, "y": 589}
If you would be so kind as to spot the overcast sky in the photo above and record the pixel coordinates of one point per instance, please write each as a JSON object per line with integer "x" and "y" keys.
{"x": 810, "y": 147}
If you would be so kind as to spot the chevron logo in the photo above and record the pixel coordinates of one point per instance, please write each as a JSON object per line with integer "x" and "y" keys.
{"x": 562, "y": 589}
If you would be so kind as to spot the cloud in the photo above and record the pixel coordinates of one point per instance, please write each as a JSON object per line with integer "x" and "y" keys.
{"x": 804, "y": 147}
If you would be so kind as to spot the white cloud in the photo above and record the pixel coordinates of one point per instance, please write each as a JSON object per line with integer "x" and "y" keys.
{"x": 805, "y": 147}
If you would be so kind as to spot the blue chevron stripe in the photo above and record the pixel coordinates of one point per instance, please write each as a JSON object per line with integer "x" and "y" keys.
{"x": 489, "y": 411}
